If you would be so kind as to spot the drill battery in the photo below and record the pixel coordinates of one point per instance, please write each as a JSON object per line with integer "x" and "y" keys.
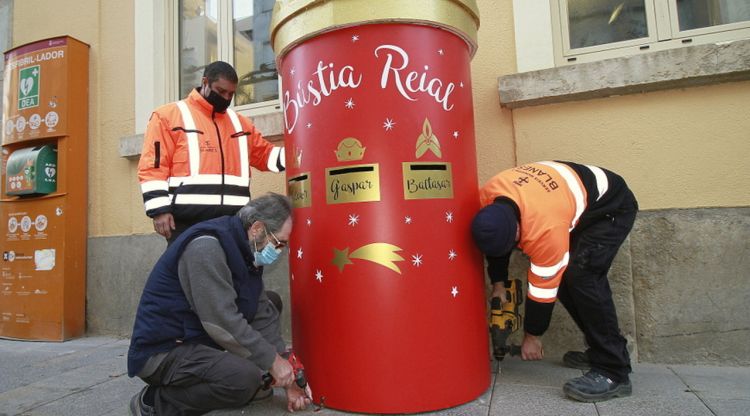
{"x": 505, "y": 319}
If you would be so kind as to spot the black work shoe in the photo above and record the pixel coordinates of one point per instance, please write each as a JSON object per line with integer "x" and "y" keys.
{"x": 138, "y": 408}
{"x": 577, "y": 359}
{"x": 595, "y": 387}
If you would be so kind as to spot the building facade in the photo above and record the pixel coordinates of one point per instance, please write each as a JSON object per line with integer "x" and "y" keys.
{"x": 652, "y": 90}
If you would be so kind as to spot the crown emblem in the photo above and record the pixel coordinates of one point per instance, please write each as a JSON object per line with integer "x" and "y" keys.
{"x": 350, "y": 149}
{"x": 428, "y": 141}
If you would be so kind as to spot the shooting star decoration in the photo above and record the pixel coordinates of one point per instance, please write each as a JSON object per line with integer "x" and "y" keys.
{"x": 383, "y": 254}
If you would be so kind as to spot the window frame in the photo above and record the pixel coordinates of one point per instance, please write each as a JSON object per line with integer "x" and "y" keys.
{"x": 664, "y": 33}
{"x": 704, "y": 31}
{"x": 565, "y": 28}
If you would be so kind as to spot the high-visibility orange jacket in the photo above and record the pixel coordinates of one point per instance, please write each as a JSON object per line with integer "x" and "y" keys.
{"x": 551, "y": 199}
{"x": 196, "y": 163}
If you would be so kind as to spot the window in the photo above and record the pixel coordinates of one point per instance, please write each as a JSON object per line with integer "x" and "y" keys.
{"x": 589, "y": 30}
{"x": 235, "y": 31}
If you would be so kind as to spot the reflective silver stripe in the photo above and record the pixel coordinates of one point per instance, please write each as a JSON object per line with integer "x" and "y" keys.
{"x": 602, "y": 184}
{"x": 273, "y": 158}
{"x": 208, "y": 179}
{"x": 541, "y": 293}
{"x": 158, "y": 202}
{"x": 545, "y": 272}
{"x": 242, "y": 141}
{"x": 574, "y": 186}
{"x": 193, "y": 149}
{"x": 236, "y": 200}
{"x": 154, "y": 186}
{"x": 204, "y": 199}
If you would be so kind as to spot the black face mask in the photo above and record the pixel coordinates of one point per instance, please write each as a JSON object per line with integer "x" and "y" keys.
{"x": 219, "y": 103}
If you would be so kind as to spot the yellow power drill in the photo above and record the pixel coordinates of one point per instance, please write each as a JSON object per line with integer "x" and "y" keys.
{"x": 505, "y": 319}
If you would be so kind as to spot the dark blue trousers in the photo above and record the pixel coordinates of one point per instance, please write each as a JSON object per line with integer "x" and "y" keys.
{"x": 585, "y": 292}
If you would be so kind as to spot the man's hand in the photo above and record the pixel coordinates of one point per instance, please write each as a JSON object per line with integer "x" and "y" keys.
{"x": 531, "y": 348}
{"x": 296, "y": 398}
{"x": 499, "y": 291}
{"x": 164, "y": 224}
{"x": 282, "y": 372}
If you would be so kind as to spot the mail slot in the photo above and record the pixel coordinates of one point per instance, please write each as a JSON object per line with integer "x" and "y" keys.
{"x": 32, "y": 170}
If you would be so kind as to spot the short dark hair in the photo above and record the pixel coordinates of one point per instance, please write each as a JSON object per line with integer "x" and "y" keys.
{"x": 220, "y": 69}
{"x": 273, "y": 209}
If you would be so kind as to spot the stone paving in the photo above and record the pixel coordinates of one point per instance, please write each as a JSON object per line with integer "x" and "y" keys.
{"x": 87, "y": 377}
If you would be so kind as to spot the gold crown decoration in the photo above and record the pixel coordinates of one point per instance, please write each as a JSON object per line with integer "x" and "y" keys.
{"x": 349, "y": 149}
{"x": 428, "y": 141}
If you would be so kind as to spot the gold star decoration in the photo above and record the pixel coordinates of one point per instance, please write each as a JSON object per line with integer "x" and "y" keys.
{"x": 341, "y": 258}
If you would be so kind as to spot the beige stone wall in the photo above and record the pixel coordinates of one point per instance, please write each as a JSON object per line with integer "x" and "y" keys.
{"x": 108, "y": 28}
{"x": 677, "y": 149}
{"x": 496, "y": 56}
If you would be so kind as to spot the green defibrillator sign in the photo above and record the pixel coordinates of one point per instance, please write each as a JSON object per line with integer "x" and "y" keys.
{"x": 28, "y": 87}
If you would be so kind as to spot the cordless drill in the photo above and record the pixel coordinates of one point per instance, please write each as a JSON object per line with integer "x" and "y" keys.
{"x": 299, "y": 373}
{"x": 505, "y": 319}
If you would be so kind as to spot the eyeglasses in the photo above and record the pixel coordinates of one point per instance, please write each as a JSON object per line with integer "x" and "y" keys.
{"x": 278, "y": 244}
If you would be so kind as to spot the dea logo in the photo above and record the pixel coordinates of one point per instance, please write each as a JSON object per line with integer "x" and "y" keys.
{"x": 28, "y": 87}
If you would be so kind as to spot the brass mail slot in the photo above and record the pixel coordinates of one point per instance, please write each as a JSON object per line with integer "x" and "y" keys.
{"x": 358, "y": 183}
{"x": 427, "y": 180}
{"x": 299, "y": 191}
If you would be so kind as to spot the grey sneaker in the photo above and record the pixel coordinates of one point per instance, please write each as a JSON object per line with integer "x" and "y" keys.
{"x": 577, "y": 359}
{"x": 595, "y": 387}
{"x": 138, "y": 408}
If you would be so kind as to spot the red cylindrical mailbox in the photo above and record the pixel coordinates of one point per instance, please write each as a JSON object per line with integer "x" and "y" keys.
{"x": 387, "y": 288}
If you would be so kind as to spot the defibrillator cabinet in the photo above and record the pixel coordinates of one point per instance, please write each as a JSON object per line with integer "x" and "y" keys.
{"x": 43, "y": 192}
{"x": 31, "y": 170}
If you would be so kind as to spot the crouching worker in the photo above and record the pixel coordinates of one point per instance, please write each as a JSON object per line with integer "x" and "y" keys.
{"x": 206, "y": 331}
{"x": 570, "y": 220}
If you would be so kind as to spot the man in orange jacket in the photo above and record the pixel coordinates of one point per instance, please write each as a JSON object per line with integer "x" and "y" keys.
{"x": 570, "y": 219}
{"x": 197, "y": 153}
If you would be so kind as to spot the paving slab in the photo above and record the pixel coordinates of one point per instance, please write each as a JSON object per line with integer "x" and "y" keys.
{"x": 642, "y": 403}
{"x": 657, "y": 390}
{"x": 535, "y": 400}
{"x": 710, "y": 382}
{"x": 88, "y": 377}
{"x": 534, "y": 373}
{"x": 478, "y": 407}
{"x": 89, "y": 401}
{"x": 728, "y": 407}
{"x": 23, "y": 363}
{"x": 276, "y": 405}
{"x": 656, "y": 380}
{"x": 60, "y": 385}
